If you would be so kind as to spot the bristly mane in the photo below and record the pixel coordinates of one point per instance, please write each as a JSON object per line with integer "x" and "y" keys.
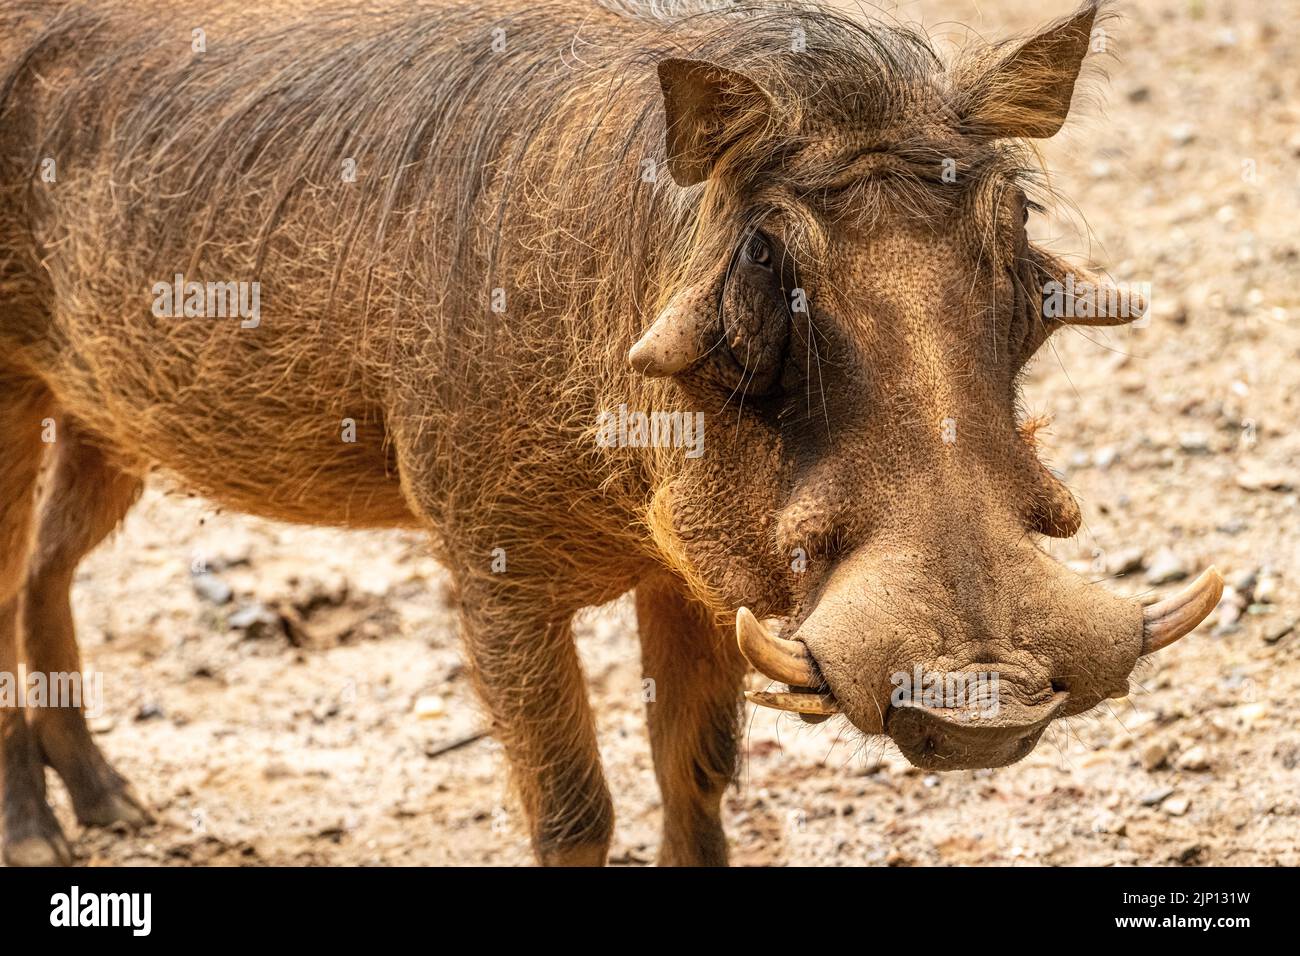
{"x": 416, "y": 94}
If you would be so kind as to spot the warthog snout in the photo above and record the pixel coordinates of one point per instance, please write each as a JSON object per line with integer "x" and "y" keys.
{"x": 993, "y": 676}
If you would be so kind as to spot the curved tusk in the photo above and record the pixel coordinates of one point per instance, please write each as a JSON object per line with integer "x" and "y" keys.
{"x": 1176, "y": 617}
{"x": 795, "y": 703}
{"x": 772, "y": 656}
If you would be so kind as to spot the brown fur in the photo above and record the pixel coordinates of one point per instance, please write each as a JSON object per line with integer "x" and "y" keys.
{"x": 519, "y": 171}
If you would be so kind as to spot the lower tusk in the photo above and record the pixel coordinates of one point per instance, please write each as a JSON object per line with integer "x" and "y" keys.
{"x": 1176, "y": 617}
{"x": 772, "y": 656}
{"x": 795, "y": 703}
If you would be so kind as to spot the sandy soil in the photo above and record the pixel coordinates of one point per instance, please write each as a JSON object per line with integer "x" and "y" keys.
{"x": 324, "y": 742}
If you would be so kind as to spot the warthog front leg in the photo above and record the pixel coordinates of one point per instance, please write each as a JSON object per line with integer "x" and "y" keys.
{"x": 526, "y": 669}
{"x": 693, "y": 717}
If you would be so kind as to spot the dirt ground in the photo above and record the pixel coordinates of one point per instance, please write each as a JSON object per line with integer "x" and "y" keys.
{"x": 324, "y": 741}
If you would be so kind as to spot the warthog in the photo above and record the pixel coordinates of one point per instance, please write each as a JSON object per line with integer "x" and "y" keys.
{"x": 476, "y": 232}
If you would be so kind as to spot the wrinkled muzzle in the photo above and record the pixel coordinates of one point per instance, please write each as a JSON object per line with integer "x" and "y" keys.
{"x": 965, "y": 670}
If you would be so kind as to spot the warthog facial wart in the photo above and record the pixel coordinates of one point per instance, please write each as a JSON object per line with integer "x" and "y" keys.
{"x": 1082, "y": 299}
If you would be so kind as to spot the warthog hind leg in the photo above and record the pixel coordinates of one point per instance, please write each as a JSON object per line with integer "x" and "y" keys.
{"x": 31, "y": 835}
{"x": 86, "y": 499}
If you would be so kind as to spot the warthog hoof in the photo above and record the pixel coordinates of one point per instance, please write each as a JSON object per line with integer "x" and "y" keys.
{"x": 120, "y": 805}
{"x": 38, "y": 842}
{"x": 101, "y": 796}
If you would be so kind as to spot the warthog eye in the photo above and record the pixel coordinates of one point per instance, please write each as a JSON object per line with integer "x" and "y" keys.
{"x": 758, "y": 251}
{"x": 756, "y": 314}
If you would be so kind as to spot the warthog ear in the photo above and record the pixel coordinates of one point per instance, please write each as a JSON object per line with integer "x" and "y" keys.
{"x": 707, "y": 108}
{"x": 1024, "y": 88}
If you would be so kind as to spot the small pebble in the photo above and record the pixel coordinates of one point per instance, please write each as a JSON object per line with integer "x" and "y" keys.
{"x": 148, "y": 712}
{"x": 1125, "y": 561}
{"x": 1155, "y": 797}
{"x": 1273, "y": 635}
{"x": 211, "y": 588}
{"x": 1154, "y": 755}
{"x": 430, "y": 706}
{"x": 1194, "y": 759}
{"x": 1263, "y": 479}
{"x": 1165, "y": 568}
{"x": 1106, "y": 456}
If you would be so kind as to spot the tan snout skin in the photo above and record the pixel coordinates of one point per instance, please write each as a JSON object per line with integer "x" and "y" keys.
{"x": 1058, "y": 646}
{"x": 983, "y": 697}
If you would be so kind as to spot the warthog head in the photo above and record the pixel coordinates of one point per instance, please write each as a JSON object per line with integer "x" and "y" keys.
{"x": 857, "y": 304}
